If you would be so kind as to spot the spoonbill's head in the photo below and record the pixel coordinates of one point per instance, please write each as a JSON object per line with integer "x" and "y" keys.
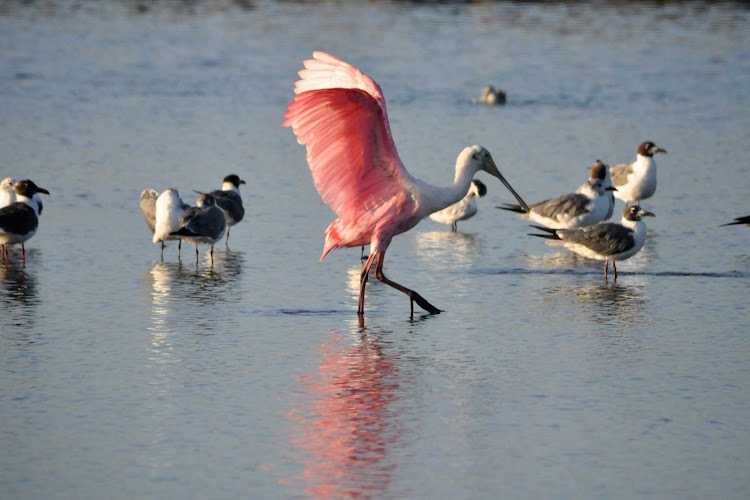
{"x": 635, "y": 213}
{"x": 478, "y": 158}
{"x": 648, "y": 148}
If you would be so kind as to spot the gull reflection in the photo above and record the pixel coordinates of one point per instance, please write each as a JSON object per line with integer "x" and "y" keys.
{"x": 446, "y": 249}
{"x": 181, "y": 292}
{"x": 346, "y": 426}
{"x": 18, "y": 296}
{"x": 617, "y": 304}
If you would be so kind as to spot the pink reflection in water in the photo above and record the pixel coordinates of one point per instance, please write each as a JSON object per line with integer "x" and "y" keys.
{"x": 346, "y": 428}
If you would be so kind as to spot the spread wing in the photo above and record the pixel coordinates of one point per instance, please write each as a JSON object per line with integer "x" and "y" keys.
{"x": 604, "y": 239}
{"x": 339, "y": 114}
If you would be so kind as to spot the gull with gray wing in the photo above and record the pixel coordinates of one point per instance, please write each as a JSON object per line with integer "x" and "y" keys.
{"x": 637, "y": 181}
{"x": 609, "y": 241}
{"x": 19, "y": 220}
{"x": 204, "y": 224}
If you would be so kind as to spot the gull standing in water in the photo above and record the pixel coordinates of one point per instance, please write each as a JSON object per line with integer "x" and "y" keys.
{"x": 339, "y": 114}
{"x": 637, "y": 181}
{"x": 609, "y": 241}
{"x": 20, "y": 219}
{"x": 228, "y": 199}
{"x": 464, "y": 209}
{"x": 588, "y": 206}
{"x": 204, "y": 224}
{"x": 168, "y": 209}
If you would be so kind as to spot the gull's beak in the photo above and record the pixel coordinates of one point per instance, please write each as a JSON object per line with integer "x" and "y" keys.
{"x": 647, "y": 214}
{"x": 610, "y": 188}
{"x": 243, "y": 182}
{"x": 41, "y": 190}
{"x": 659, "y": 150}
{"x": 490, "y": 167}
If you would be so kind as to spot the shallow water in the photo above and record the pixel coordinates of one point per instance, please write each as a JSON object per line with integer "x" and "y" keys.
{"x": 124, "y": 376}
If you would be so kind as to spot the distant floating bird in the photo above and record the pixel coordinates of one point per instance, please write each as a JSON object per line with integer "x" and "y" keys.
{"x": 168, "y": 210}
{"x": 204, "y": 224}
{"x": 637, "y": 181}
{"x": 229, "y": 200}
{"x": 739, "y": 220}
{"x": 599, "y": 170}
{"x": 588, "y": 206}
{"x": 19, "y": 220}
{"x": 490, "y": 95}
{"x": 466, "y": 208}
{"x": 609, "y": 241}
{"x": 339, "y": 114}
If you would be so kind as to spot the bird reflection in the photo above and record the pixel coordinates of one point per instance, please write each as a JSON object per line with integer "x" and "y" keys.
{"x": 345, "y": 426}
{"x": 18, "y": 296}
{"x": 448, "y": 249}
{"x": 622, "y": 305}
{"x": 180, "y": 293}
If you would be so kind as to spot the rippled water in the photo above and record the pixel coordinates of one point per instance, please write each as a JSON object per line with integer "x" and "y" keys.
{"x": 124, "y": 376}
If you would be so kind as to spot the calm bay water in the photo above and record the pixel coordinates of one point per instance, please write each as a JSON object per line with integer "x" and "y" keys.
{"x": 124, "y": 376}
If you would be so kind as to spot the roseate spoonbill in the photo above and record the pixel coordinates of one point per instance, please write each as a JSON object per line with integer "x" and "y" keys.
{"x": 168, "y": 211}
{"x": 204, "y": 224}
{"x": 466, "y": 208}
{"x": 599, "y": 170}
{"x": 228, "y": 199}
{"x": 571, "y": 210}
{"x": 20, "y": 219}
{"x": 637, "y": 181}
{"x": 339, "y": 114}
{"x": 739, "y": 220}
{"x": 491, "y": 96}
{"x": 609, "y": 241}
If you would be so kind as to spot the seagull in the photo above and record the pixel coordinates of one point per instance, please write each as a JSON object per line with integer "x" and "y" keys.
{"x": 148, "y": 207}
{"x": 739, "y": 220}
{"x": 491, "y": 96}
{"x": 205, "y": 223}
{"x": 228, "y": 199}
{"x": 571, "y": 210}
{"x": 168, "y": 209}
{"x": 637, "y": 181}
{"x": 7, "y": 191}
{"x": 19, "y": 220}
{"x": 466, "y": 208}
{"x": 609, "y": 241}
{"x": 339, "y": 115}
{"x": 599, "y": 170}
{"x": 7, "y": 196}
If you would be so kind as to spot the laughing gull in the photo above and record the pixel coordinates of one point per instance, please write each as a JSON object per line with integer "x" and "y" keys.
{"x": 601, "y": 171}
{"x": 465, "y": 208}
{"x": 572, "y": 210}
{"x": 491, "y": 96}
{"x": 609, "y": 241}
{"x": 739, "y": 220}
{"x": 228, "y": 199}
{"x": 19, "y": 220}
{"x": 205, "y": 223}
{"x": 168, "y": 209}
{"x": 637, "y": 181}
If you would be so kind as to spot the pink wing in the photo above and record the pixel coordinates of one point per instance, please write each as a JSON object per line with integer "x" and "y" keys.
{"x": 339, "y": 115}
